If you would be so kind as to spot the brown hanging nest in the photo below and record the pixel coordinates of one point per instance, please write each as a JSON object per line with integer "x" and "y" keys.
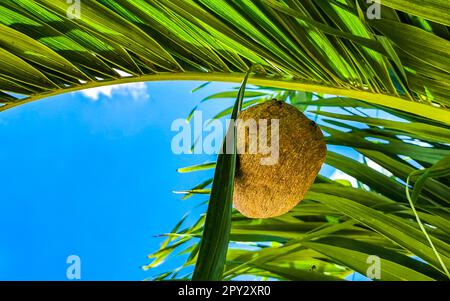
{"x": 263, "y": 191}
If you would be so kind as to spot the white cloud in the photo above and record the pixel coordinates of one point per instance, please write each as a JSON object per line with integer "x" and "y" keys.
{"x": 137, "y": 91}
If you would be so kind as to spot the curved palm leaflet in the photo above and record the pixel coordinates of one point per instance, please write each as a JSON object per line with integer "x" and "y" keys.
{"x": 398, "y": 63}
{"x": 339, "y": 226}
{"x": 400, "y": 60}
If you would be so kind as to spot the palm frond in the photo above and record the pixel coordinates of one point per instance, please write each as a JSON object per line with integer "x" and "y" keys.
{"x": 321, "y": 46}
{"x": 331, "y": 233}
{"x": 398, "y": 64}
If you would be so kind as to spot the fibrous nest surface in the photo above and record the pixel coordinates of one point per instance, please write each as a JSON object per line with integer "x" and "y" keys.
{"x": 269, "y": 190}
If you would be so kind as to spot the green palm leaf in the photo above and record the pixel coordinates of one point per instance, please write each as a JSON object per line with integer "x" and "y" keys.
{"x": 316, "y": 47}
{"x": 336, "y": 220}
{"x": 320, "y": 47}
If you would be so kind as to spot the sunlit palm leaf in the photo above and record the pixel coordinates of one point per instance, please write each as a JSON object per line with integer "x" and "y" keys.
{"x": 336, "y": 220}
{"x": 398, "y": 64}
{"x": 320, "y": 46}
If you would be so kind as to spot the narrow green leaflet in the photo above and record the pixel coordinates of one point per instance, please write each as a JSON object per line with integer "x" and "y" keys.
{"x": 434, "y": 10}
{"x": 214, "y": 242}
{"x": 389, "y": 226}
{"x": 441, "y": 168}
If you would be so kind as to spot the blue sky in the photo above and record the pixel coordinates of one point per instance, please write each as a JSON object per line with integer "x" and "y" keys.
{"x": 92, "y": 174}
